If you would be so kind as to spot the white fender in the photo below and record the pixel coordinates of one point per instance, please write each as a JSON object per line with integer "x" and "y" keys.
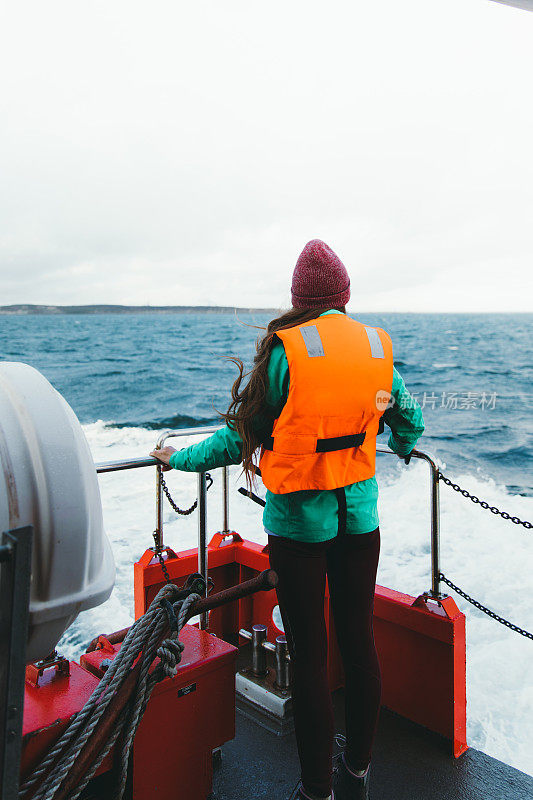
{"x": 48, "y": 480}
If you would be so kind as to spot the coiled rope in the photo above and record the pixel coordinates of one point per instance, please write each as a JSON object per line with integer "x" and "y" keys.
{"x": 142, "y": 641}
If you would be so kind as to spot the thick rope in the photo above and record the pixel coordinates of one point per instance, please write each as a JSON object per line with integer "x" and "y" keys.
{"x": 140, "y": 641}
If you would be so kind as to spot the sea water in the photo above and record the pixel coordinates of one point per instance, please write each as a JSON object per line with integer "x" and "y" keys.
{"x": 129, "y": 376}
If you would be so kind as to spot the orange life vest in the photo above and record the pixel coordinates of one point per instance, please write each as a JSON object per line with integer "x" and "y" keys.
{"x": 340, "y": 382}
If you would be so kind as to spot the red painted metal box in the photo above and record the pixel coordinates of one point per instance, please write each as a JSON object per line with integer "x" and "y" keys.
{"x": 51, "y": 698}
{"x": 187, "y": 717}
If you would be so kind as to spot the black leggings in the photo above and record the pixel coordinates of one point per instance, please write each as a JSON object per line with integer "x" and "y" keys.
{"x": 350, "y": 561}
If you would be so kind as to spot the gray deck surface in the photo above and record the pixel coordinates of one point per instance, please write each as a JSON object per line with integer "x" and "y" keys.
{"x": 409, "y": 763}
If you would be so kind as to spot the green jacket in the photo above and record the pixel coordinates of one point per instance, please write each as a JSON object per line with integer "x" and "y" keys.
{"x": 309, "y": 515}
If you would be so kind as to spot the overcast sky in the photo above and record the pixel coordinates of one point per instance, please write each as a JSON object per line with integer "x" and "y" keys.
{"x": 184, "y": 152}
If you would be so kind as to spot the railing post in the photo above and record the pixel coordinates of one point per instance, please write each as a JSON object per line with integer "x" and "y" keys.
{"x": 435, "y": 531}
{"x": 158, "y": 510}
{"x": 225, "y": 500}
{"x": 202, "y": 539}
{"x": 158, "y": 538}
{"x": 435, "y": 515}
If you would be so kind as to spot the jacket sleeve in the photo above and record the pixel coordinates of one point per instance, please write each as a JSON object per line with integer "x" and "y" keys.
{"x": 224, "y": 447}
{"x": 404, "y": 417}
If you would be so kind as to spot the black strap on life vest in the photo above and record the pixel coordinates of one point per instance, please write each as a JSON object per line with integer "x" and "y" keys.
{"x": 328, "y": 445}
{"x": 341, "y": 501}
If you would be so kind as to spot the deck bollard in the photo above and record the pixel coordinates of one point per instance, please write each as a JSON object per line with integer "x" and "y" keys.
{"x": 259, "y": 659}
{"x": 260, "y": 646}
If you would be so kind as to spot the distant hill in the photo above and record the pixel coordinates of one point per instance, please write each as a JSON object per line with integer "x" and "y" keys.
{"x": 109, "y": 309}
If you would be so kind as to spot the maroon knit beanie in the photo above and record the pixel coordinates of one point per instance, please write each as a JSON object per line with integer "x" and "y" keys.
{"x": 320, "y": 278}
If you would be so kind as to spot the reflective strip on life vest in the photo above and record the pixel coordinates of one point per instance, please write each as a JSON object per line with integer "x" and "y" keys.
{"x": 376, "y": 348}
{"x": 313, "y": 342}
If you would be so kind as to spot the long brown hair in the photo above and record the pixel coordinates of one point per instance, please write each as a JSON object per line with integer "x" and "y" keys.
{"x": 248, "y": 401}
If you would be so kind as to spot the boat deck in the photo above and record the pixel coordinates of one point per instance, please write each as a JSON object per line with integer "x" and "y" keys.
{"x": 409, "y": 763}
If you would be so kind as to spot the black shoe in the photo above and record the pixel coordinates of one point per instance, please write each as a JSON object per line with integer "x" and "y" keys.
{"x": 298, "y": 793}
{"x": 348, "y": 786}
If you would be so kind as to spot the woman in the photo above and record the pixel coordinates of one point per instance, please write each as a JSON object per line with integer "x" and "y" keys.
{"x": 319, "y": 386}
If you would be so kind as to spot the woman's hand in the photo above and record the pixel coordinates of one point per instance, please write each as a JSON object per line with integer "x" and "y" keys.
{"x": 163, "y": 455}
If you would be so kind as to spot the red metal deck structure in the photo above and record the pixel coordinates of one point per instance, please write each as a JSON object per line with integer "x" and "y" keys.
{"x": 421, "y": 643}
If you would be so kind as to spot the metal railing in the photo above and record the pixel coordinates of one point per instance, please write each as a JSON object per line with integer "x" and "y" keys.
{"x": 134, "y": 463}
{"x": 434, "y": 496}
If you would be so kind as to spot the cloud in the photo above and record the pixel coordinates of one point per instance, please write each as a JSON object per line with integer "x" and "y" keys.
{"x": 184, "y": 153}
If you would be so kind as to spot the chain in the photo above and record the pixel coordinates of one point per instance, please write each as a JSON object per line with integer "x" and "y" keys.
{"x": 185, "y": 512}
{"x": 483, "y": 504}
{"x": 485, "y": 610}
{"x": 504, "y": 515}
{"x": 159, "y": 554}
